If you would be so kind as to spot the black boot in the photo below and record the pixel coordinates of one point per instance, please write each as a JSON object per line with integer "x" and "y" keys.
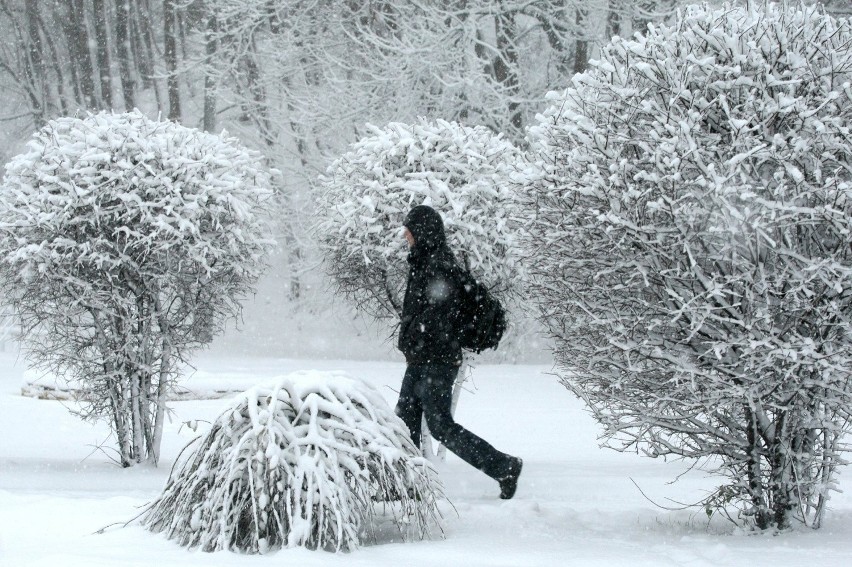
{"x": 509, "y": 483}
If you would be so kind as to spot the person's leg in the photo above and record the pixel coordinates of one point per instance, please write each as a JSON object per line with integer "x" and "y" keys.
{"x": 408, "y": 407}
{"x": 436, "y": 402}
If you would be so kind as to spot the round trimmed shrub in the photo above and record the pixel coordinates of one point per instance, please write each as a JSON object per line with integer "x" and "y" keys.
{"x": 464, "y": 172}
{"x": 691, "y": 247}
{"x": 125, "y": 244}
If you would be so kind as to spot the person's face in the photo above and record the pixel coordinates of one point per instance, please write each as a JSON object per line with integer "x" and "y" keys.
{"x": 409, "y": 237}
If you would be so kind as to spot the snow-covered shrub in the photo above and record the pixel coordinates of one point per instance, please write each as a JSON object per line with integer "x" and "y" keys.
{"x": 691, "y": 243}
{"x": 124, "y": 244}
{"x": 304, "y": 461}
{"x": 463, "y": 172}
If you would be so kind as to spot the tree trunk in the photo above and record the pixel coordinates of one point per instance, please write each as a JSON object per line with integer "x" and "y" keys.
{"x": 258, "y": 109}
{"x": 148, "y": 48}
{"x": 294, "y": 251}
{"x": 160, "y": 400}
{"x": 295, "y": 260}
{"x": 169, "y": 33}
{"x": 36, "y": 63}
{"x": 640, "y": 18}
{"x": 782, "y": 483}
{"x": 137, "y": 30}
{"x": 556, "y": 32}
{"x": 136, "y": 410}
{"x": 613, "y": 19}
{"x": 753, "y": 464}
{"x": 826, "y": 473}
{"x": 56, "y": 67}
{"x": 78, "y": 42}
{"x": 581, "y": 48}
{"x": 165, "y": 339}
{"x": 102, "y": 51}
{"x": 506, "y": 63}
{"x": 124, "y": 49}
{"x": 122, "y": 432}
{"x": 649, "y": 11}
{"x": 64, "y": 18}
{"x": 115, "y": 393}
{"x": 209, "y": 76}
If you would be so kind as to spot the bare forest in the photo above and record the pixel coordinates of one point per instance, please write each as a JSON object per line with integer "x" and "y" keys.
{"x": 299, "y": 80}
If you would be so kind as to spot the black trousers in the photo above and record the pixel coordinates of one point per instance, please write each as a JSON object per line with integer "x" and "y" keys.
{"x": 427, "y": 389}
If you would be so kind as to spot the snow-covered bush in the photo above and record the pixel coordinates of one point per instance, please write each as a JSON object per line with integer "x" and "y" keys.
{"x": 304, "y": 461}
{"x": 124, "y": 244}
{"x": 463, "y": 172}
{"x": 691, "y": 243}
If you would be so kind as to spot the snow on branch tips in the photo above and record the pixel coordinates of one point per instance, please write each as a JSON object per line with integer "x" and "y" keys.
{"x": 125, "y": 243}
{"x": 691, "y": 248}
{"x": 466, "y": 173}
{"x": 312, "y": 460}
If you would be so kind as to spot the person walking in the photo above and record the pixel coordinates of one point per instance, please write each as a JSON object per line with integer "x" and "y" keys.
{"x": 429, "y": 337}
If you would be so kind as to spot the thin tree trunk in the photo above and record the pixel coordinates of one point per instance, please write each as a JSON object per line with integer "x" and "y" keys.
{"x": 149, "y": 44}
{"x": 556, "y": 33}
{"x": 613, "y": 19}
{"x": 782, "y": 481}
{"x": 27, "y": 79}
{"x": 102, "y": 51}
{"x": 649, "y": 11}
{"x": 124, "y": 49}
{"x": 826, "y": 474}
{"x": 160, "y": 400}
{"x": 138, "y": 44}
{"x": 581, "y": 49}
{"x": 169, "y": 32}
{"x": 181, "y": 33}
{"x": 64, "y": 20}
{"x": 116, "y": 395}
{"x": 294, "y": 251}
{"x": 56, "y": 67}
{"x": 36, "y": 62}
{"x": 259, "y": 109}
{"x": 209, "y": 77}
{"x": 506, "y": 64}
{"x": 122, "y": 432}
{"x": 163, "y": 378}
{"x": 755, "y": 482}
{"x": 136, "y": 410}
{"x": 78, "y": 42}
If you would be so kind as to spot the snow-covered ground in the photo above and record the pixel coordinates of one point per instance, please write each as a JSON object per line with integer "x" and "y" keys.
{"x": 576, "y": 504}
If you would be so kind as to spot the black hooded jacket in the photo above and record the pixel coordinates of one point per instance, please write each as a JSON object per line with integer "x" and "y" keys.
{"x": 429, "y": 329}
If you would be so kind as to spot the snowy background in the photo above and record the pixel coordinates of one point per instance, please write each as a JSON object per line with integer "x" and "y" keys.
{"x": 576, "y": 503}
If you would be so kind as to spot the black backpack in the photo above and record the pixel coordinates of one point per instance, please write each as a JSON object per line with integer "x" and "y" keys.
{"x": 481, "y": 317}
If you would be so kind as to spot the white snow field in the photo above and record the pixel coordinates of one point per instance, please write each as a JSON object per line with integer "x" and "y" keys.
{"x": 576, "y": 503}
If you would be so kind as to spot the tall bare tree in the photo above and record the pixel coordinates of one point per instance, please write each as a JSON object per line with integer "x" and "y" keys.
{"x": 77, "y": 33}
{"x": 170, "y": 25}
{"x": 124, "y": 53}
{"x": 102, "y": 50}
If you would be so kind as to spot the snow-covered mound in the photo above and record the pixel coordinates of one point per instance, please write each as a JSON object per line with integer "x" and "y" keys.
{"x": 302, "y": 461}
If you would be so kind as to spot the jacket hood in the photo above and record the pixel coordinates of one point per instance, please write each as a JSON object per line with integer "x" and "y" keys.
{"x": 426, "y": 226}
